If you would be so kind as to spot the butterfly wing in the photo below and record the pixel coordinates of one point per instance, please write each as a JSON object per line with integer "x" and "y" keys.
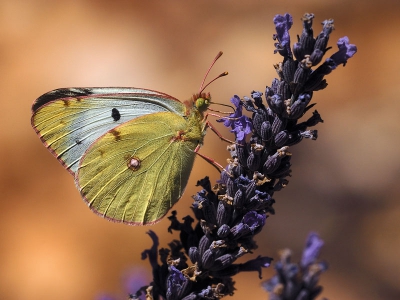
{"x": 137, "y": 171}
{"x": 68, "y": 121}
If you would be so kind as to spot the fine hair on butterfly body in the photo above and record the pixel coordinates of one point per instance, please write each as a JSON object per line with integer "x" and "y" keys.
{"x": 130, "y": 150}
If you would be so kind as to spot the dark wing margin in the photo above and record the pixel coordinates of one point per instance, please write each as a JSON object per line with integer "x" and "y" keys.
{"x": 59, "y": 94}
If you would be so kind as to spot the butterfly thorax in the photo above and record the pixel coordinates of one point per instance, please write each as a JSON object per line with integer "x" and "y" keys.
{"x": 195, "y": 108}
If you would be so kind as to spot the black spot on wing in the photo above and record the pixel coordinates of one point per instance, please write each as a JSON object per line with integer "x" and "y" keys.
{"x": 115, "y": 114}
{"x": 59, "y": 94}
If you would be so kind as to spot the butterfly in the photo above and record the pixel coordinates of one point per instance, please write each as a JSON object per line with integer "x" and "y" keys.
{"x": 130, "y": 150}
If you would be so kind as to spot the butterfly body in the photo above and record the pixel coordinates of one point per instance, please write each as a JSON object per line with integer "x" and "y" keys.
{"x": 130, "y": 150}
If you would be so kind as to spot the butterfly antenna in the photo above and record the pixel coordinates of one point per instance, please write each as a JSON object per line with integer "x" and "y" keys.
{"x": 202, "y": 86}
{"x": 222, "y": 104}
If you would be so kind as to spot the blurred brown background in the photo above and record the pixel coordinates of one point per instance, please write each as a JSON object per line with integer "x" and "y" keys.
{"x": 344, "y": 185}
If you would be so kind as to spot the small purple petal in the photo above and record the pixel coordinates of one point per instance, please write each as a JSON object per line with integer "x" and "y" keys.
{"x": 230, "y": 120}
{"x": 254, "y": 220}
{"x": 311, "y": 250}
{"x": 242, "y": 126}
{"x": 282, "y": 25}
{"x": 235, "y": 100}
{"x": 345, "y": 52}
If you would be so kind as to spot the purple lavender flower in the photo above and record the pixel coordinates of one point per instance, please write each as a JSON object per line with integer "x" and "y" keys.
{"x": 240, "y": 124}
{"x": 298, "y": 281}
{"x": 311, "y": 250}
{"x": 345, "y": 52}
{"x": 282, "y": 26}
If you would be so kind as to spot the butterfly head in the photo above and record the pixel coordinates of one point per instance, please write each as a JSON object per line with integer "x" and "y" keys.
{"x": 201, "y": 101}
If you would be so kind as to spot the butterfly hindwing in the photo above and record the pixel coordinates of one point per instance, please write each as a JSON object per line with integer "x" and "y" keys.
{"x": 68, "y": 121}
{"x": 137, "y": 171}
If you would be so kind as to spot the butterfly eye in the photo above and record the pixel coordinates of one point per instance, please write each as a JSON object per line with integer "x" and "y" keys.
{"x": 199, "y": 102}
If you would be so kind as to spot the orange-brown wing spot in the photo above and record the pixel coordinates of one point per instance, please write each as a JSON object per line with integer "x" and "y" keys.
{"x": 180, "y": 135}
{"x": 67, "y": 102}
{"x": 116, "y": 134}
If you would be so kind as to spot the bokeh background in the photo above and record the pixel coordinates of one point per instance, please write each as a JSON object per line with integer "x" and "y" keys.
{"x": 344, "y": 185}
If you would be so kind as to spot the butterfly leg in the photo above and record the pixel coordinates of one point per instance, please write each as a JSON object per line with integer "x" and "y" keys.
{"x": 215, "y": 164}
{"x": 207, "y": 124}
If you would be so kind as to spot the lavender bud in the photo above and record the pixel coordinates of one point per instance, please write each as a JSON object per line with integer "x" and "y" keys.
{"x": 323, "y": 37}
{"x": 257, "y": 96}
{"x": 258, "y": 118}
{"x": 224, "y": 213}
{"x": 298, "y": 51}
{"x": 251, "y": 187}
{"x": 273, "y": 161}
{"x": 294, "y": 138}
{"x": 222, "y": 262}
{"x": 276, "y": 104}
{"x": 209, "y": 212}
{"x": 194, "y": 255}
{"x": 231, "y": 187}
{"x": 238, "y": 200}
{"x": 242, "y": 153}
{"x": 223, "y": 231}
{"x": 269, "y": 91}
{"x": 177, "y": 284}
{"x": 288, "y": 70}
{"x": 208, "y": 258}
{"x": 284, "y": 90}
{"x": 306, "y": 42}
{"x": 284, "y": 168}
{"x": 298, "y": 107}
{"x": 248, "y": 104}
{"x": 266, "y": 131}
{"x": 316, "y": 56}
{"x": 278, "y": 69}
{"x": 204, "y": 244}
{"x": 302, "y": 73}
{"x": 254, "y": 160}
{"x": 281, "y": 138}
{"x": 278, "y": 125}
{"x": 240, "y": 230}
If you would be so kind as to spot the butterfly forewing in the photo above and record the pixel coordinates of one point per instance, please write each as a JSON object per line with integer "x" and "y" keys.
{"x": 137, "y": 171}
{"x": 68, "y": 121}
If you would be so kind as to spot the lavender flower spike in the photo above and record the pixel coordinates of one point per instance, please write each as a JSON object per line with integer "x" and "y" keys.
{"x": 202, "y": 263}
{"x": 294, "y": 282}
